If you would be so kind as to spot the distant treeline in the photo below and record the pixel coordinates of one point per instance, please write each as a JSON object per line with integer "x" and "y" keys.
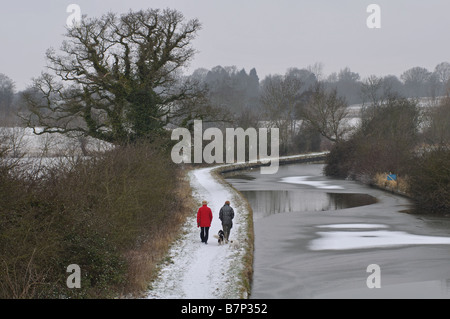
{"x": 239, "y": 92}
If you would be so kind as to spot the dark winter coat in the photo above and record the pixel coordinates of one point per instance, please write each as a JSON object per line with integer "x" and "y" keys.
{"x": 204, "y": 216}
{"x": 226, "y": 215}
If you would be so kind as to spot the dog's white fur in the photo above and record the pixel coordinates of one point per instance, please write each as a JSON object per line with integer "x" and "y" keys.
{"x": 221, "y": 242}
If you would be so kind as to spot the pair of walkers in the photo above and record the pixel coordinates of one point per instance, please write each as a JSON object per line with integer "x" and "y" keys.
{"x": 204, "y": 219}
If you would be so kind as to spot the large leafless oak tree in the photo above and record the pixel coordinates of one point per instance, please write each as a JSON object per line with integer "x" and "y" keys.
{"x": 118, "y": 78}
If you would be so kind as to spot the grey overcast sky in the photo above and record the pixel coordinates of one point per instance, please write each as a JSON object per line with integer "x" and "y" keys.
{"x": 269, "y": 35}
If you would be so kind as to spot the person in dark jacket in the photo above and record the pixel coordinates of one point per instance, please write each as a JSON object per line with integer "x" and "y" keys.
{"x": 226, "y": 215}
{"x": 204, "y": 219}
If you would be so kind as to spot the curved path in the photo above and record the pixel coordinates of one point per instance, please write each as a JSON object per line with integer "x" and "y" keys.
{"x": 198, "y": 271}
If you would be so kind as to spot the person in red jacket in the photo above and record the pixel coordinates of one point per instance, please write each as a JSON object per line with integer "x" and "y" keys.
{"x": 204, "y": 219}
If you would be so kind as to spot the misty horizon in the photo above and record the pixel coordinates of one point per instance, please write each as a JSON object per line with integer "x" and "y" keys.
{"x": 266, "y": 35}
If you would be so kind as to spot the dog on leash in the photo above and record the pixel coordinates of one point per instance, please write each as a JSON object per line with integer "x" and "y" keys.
{"x": 220, "y": 237}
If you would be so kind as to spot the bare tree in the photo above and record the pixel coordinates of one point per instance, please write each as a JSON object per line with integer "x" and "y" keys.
{"x": 280, "y": 100}
{"x": 317, "y": 70}
{"x": 442, "y": 71}
{"x": 6, "y": 96}
{"x": 118, "y": 78}
{"x": 372, "y": 90}
{"x": 326, "y": 112}
{"x": 437, "y": 133}
{"x": 416, "y": 80}
{"x": 347, "y": 84}
{"x": 377, "y": 91}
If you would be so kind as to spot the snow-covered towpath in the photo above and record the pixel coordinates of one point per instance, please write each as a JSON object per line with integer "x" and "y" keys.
{"x": 194, "y": 270}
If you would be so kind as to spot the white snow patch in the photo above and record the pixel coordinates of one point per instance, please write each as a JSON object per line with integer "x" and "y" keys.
{"x": 305, "y": 181}
{"x": 353, "y": 226}
{"x": 23, "y": 140}
{"x": 341, "y": 240}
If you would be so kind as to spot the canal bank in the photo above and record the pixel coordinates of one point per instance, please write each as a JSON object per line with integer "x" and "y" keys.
{"x": 246, "y": 231}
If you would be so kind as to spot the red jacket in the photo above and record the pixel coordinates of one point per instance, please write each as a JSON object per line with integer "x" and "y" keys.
{"x": 204, "y": 216}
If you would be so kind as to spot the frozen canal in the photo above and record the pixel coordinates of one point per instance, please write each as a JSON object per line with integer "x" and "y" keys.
{"x": 315, "y": 238}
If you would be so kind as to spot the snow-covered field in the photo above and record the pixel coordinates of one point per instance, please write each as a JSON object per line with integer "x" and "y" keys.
{"x": 22, "y": 141}
{"x": 194, "y": 270}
